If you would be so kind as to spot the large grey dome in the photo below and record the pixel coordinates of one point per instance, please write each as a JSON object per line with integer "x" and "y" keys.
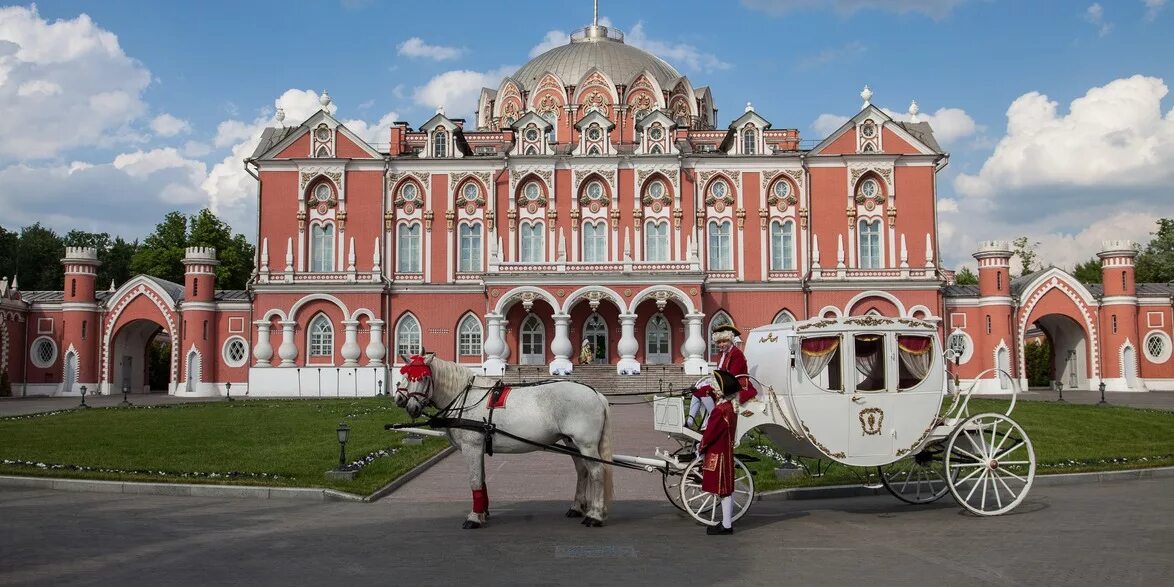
{"x": 600, "y": 47}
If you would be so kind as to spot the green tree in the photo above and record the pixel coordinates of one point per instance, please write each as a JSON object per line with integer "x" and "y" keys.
{"x": 161, "y": 253}
{"x": 9, "y": 252}
{"x": 965, "y": 276}
{"x": 116, "y": 265}
{"x": 38, "y": 262}
{"x": 1088, "y": 272}
{"x": 1037, "y": 355}
{"x": 1155, "y": 263}
{"x": 1024, "y": 249}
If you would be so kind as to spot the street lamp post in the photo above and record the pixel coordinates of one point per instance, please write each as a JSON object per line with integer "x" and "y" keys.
{"x": 380, "y": 384}
{"x": 83, "y": 398}
{"x": 125, "y": 390}
{"x": 344, "y": 433}
{"x": 1102, "y": 388}
{"x": 228, "y": 391}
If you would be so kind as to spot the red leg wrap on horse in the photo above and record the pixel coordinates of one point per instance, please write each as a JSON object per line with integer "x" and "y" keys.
{"x": 480, "y": 501}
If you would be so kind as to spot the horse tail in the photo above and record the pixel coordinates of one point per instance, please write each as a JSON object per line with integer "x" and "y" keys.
{"x": 605, "y": 451}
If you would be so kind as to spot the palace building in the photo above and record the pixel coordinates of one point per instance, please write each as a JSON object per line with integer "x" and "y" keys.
{"x": 595, "y": 201}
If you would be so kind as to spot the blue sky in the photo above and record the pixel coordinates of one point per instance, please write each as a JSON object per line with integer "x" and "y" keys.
{"x": 121, "y": 111}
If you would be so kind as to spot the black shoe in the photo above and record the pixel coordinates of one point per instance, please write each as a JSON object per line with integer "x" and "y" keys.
{"x": 719, "y": 530}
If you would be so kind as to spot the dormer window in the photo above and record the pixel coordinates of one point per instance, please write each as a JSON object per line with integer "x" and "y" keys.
{"x": 322, "y": 133}
{"x": 868, "y": 129}
{"x": 531, "y": 134}
{"x": 656, "y": 133}
{"x": 749, "y": 142}
{"x": 440, "y": 144}
{"x": 594, "y": 133}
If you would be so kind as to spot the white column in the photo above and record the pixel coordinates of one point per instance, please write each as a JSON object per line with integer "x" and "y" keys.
{"x": 628, "y": 346}
{"x": 494, "y": 345}
{"x": 262, "y": 351}
{"x": 375, "y": 349}
{"x": 695, "y": 363}
{"x": 350, "y": 348}
{"x": 288, "y": 351}
{"x": 561, "y": 346}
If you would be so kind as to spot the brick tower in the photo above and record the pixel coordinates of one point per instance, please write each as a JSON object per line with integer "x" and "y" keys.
{"x": 995, "y": 325}
{"x": 198, "y": 357}
{"x": 1121, "y": 349}
{"x": 80, "y": 323}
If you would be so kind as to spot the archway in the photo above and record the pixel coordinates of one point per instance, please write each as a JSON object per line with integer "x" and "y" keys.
{"x": 131, "y": 354}
{"x": 1069, "y": 357}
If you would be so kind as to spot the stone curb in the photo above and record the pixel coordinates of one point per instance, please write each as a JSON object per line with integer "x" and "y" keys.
{"x": 395, "y": 484}
{"x": 181, "y": 489}
{"x": 837, "y": 491}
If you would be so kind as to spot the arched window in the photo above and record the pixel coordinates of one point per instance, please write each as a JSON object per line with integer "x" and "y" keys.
{"x": 322, "y": 248}
{"x": 783, "y": 317}
{"x": 718, "y": 319}
{"x": 407, "y": 258}
{"x": 407, "y": 337}
{"x": 656, "y": 241}
{"x": 999, "y": 280}
{"x": 782, "y": 246}
{"x": 719, "y": 245}
{"x": 470, "y": 251}
{"x": 440, "y": 144}
{"x": 870, "y": 249}
{"x": 469, "y": 337}
{"x": 321, "y": 333}
{"x": 749, "y": 142}
{"x": 533, "y": 341}
{"x": 595, "y": 242}
{"x": 533, "y": 242}
{"x": 531, "y": 150}
{"x": 658, "y": 341}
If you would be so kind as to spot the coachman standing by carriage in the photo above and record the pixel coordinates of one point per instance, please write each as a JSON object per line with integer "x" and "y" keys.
{"x": 732, "y": 361}
{"x": 717, "y": 448}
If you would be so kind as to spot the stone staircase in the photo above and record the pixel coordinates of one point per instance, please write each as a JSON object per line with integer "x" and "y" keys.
{"x": 604, "y": 377}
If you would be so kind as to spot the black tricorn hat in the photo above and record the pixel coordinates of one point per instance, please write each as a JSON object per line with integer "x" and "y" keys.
{"x": 727, "y": 328}
{"x": 727, "y": 384}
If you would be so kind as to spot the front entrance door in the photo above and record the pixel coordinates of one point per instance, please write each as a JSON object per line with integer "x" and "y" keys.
{"x": 533, "y": 341}
{"x": 595, "y": 332}
{"x": 127, "y": 361}
{"x": 657, "y": 341}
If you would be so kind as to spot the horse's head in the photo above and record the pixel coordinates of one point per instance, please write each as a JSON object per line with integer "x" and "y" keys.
{"x": 414, "y": 391}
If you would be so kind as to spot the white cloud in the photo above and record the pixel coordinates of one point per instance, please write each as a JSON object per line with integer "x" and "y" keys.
{"x": 827, "y": 124}
{"x": 675, "y": 53}
{"x": 457, "y": 91}
{"x": 1095, "y": 15}
{"x": 550, "y": 41}
{"x": 416, "y": 47}
{"x": 948, "y": 124}
{"x": 1152, "y": 8}
{"x": 1113, "y": 138}
{"x": 64, "y": 84}
{"x": 931, "y": 8}
{"x": 166, "y": 125}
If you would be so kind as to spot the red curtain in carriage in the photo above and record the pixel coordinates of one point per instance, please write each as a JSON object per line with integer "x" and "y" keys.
{"x": 817, "y": 352}
{"x": 915, "y": 354}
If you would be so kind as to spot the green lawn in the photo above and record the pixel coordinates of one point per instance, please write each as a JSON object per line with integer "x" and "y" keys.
{"x": 1068, "y": 438}
{"x": 266, "y": 442}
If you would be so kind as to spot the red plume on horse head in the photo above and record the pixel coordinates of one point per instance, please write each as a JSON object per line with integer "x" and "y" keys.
{"x": 416, "y": 369}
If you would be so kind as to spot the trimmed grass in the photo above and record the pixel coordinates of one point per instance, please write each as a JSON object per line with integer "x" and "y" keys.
{"x": 1068, "y": 438}
{"x": 290, "y": 442}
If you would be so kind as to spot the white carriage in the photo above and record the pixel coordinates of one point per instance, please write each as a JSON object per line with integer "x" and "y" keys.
{"x": 863, "y": 391}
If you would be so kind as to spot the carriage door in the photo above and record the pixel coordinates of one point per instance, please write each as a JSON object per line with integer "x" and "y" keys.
{"x": 595, "y": 332}
{"x": 657, "y": 342}
{"x": 870, "y": 418}
{"x": 533, "y": 341}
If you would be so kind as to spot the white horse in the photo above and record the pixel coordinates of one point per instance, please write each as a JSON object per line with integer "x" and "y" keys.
{"x": 546, "y": 413}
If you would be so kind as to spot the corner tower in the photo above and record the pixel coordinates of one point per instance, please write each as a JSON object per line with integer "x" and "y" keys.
{"x": 994, "y": 334}
{"x": 199, "y": 346}
{"x": 80, "y": 322}
{"x": 1119, "y": 319}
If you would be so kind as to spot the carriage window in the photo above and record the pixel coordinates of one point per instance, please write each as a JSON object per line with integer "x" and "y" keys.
{"x": 821, "y": 361}
{"x": 916, "y": 353}
{"x": 870, "y": 362}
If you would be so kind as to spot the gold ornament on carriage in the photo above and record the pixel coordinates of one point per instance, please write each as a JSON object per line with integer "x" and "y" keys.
{"x": 871, "y": 421}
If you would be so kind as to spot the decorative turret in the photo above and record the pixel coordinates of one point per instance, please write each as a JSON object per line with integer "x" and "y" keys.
{"x": 199, "y": 274}
{"x": 994, "y": 268}
{"x": 81, "y": 273}
{"x": 1117, "y": 271}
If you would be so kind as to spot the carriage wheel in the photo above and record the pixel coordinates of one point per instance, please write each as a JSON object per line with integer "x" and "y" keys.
{"x": 918, "y": 479}
{"x": 990, "y": 464}
{"x": 672, "y": 489}
{"x": 706, "y": 507}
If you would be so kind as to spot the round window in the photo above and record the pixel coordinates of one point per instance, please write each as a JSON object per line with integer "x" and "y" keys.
{"x": 1157, "y": 347}
{"x": 531, "y": 134}
{"x": 471, "y": 191}
{"x": 655, "y": 133}
{"x": 532, "y": 191}
{"x": 408, "y": 191}
{"x": 594, "y": 190}
{"x": 322, "y": 192}
{"x": 869, "y": 188}
{"x": 323, "y": 133}
{"x": 868, "y": 129}
{"x": 656, "y": 190}
{"x": 594, "y": 133}
{"x": 236, "y": 351}
{"x": 44, "y": 352}
{"x": 718, "y": 190}
{"x": 782, "y": 189}
{"x": 960, "y": 345}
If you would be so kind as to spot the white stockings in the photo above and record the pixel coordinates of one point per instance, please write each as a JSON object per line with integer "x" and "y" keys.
{"x": 727, "y": 511}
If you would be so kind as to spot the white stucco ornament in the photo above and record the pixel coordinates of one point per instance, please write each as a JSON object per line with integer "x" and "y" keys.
{"x": 324, "y": 99}
{"x": 866, "y": 95}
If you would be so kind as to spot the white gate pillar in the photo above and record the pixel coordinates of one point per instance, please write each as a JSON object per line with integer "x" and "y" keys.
{"x": 628, "y": 346}
{"x": 288, "y": 351}
{"x": 561, "y": 346}
{"x": 494, "y": 345}
{"x": 350, "y": 348}
{"x": 262, "y": 351}
{"x": 695, "y": 363}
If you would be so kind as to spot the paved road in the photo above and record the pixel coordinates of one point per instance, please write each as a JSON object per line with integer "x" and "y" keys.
{"x": 1103, "y": 534}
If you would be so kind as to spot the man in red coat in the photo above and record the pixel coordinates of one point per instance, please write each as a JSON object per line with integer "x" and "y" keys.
{"x": 717, "y": 449}
{"x": 733, "y": 360}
